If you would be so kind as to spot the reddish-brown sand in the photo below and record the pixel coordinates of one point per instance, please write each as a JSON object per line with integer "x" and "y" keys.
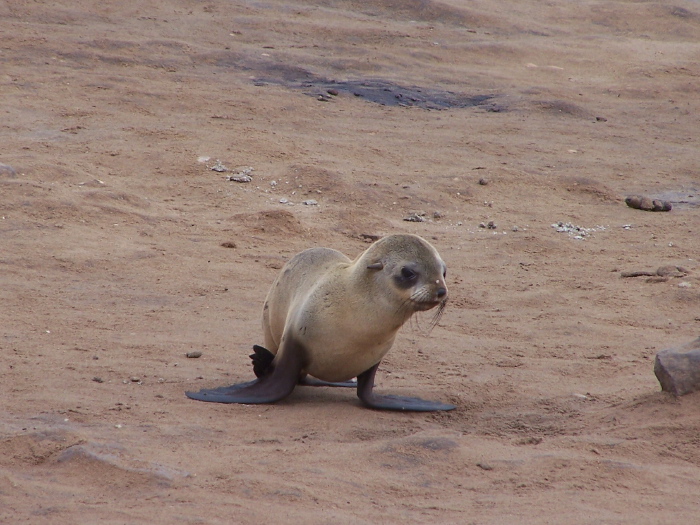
{"x": 112, "y": 266}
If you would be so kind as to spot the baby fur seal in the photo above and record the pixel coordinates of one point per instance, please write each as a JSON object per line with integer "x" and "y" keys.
{"x": 335, "y": 319}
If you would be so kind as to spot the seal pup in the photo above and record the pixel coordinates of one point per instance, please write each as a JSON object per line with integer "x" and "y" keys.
{"x": 335, "y": 319}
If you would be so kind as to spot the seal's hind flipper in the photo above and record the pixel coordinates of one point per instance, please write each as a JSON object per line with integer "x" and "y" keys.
{"x": 365, "y": 384}
{"x": 279, "y": 380}
{"x": 262, "y": 359}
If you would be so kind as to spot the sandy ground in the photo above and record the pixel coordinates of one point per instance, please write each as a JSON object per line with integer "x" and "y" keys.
{"x": 121, "y": 251}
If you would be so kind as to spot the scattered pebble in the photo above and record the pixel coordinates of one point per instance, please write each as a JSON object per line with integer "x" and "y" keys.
{"x": 437, "y": 215}
{"x": 491, "y": 225}
{"x": 311, "y": 202}
{"x": 576, "y": 232}
{"x": 284, "y": 201}
{"x": 193, "y": 355}
{"x": 684, "y": 284}
{"x": 228, "y": 244}
{"x": 98, "y": 379}
{"x": 484, "y": 466}
{"x": 241, "y": 175}
{"x": 483, "y": 181}
{"x": 333, "y": 92}
{"x": 135, "y": 379}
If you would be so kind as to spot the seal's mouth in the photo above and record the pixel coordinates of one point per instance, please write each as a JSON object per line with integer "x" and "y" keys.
{"x": 422, "y": 306}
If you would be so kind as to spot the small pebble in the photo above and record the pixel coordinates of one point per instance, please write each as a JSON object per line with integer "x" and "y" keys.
{"x": 483, "y": 181}
{"x": 484, "y": 466}
{"x": 333, "y": 92}
{"x": 193, "y": 355}
{"x": 311, "y": 202}
{"x": 240, "y": 178}
{"x": 135, "y": 379}
{"x": 219, "y": 167}
{"x": 491, "y": 225}
{"x": 98, "y": 380}
{"x": 414, "y": 217}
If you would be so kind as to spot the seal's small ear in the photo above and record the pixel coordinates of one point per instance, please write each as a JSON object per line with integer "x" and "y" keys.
{"x": 376, "y": 266}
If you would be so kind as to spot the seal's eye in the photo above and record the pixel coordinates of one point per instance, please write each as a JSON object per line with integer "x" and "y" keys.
{"x": 444, "y": 273}
{"x": 408, "y": 274}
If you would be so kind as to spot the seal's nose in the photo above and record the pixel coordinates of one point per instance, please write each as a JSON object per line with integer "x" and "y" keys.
{"x": 441, "y": 292}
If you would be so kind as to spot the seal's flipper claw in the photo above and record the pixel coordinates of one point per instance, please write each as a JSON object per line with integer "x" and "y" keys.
{"x": 312, "y": 381}
{"x": 278, "y": 382}
{"x": 365, "y": 384}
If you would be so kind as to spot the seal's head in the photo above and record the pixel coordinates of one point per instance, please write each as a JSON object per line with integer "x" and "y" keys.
{"x": 412, "y": 268}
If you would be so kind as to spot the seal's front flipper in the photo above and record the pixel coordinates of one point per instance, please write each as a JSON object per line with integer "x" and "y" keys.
{"x": 278, "y": 381}
{"x": 312, "y": 381}
{"x": 365, "y": 384}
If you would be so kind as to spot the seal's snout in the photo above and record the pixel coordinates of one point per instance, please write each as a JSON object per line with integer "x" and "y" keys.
{"x": 441, "y": 292}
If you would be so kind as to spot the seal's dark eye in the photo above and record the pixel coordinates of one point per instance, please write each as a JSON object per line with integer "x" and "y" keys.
{"x": 408, "y": 274}
{"x": 444, "y": 273}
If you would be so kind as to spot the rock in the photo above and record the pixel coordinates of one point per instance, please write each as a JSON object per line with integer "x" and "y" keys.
{"x": 193, "y": 355}
{"x": 678, "y": 368}
{"x": 639, "y": 202}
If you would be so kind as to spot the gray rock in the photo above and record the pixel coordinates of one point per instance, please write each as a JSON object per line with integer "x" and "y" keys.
{"x": 678, "y": 368}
